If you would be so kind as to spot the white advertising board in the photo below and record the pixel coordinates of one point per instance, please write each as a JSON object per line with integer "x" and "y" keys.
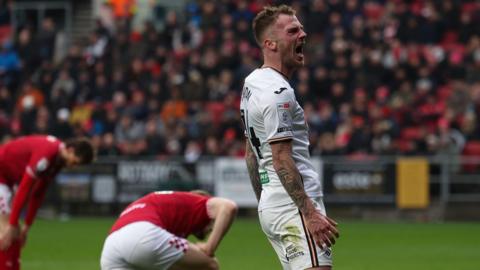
{"x": 232, "y": 180}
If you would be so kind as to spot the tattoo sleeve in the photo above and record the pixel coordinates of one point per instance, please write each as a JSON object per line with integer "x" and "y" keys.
{"x": 290, "y": 177}
{"x": 252, "y": 166}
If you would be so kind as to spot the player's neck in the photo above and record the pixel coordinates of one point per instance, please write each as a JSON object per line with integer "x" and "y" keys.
{"x": 274, "y": 60}
{"x": 62, "y": 157}
{"x": 277, "y": 68}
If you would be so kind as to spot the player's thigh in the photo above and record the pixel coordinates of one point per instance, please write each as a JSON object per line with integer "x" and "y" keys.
{"x": 141, "y": 245}
{"x": 111, "y": 258}
{"x": 6, "y": 194}
{"x": 269, "y": 221}
{"x": 5, "y": 204}
{"x": 285, "y": 228}
{"x": 155, "y": 248}
{"x": 193, "y": 259}
{"x": 279, "y": 250}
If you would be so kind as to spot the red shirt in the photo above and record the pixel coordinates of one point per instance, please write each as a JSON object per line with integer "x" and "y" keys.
{"x": 34, "y": 155}
{"x": 29, "y": 162}
{"x": 180, "y": 213}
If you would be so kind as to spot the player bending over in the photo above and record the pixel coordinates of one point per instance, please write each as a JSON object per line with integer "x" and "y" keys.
{"x": 150, "y": 233}
{"x": 27, "y": 166}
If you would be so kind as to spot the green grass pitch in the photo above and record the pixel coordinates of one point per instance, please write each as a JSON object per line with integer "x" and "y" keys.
{"x": 76, "y": 245}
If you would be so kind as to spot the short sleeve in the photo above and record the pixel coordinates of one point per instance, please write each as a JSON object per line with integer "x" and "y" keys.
{"x": 278, "y": 115}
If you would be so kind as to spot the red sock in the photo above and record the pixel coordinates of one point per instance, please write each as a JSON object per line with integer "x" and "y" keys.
{"x": 10, "y": 258}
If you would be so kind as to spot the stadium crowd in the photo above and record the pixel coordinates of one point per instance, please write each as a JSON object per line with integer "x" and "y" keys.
{"x": 382, "y": 77}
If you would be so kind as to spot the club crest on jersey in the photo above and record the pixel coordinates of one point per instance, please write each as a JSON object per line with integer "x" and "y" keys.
{"x": 284, "y": 117}
{"x": 328, "y": 252}
{"x": 42, "y": 165}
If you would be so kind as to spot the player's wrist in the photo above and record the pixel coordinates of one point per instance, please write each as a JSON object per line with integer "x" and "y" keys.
{"x": 25, "y": 228}
{"x": 309, "y": 210}
{"x": 13, "y": 223}
{"x": 209, "y": 249}
{"x": 12, "y": 230}
{"x": 210, "y": 252}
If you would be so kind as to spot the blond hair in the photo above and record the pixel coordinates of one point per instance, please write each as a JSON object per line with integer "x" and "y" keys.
{"x": 266, "y": 18}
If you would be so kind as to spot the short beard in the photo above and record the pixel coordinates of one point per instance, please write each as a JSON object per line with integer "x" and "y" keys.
{"x": 291, "y": 64}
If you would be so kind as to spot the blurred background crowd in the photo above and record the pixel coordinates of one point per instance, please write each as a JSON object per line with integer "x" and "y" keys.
{"x": 381, "y": 77}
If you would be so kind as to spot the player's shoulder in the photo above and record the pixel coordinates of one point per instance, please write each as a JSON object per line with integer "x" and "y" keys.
{"x": 268, "y": 83}
{"x": 45, "y": 143}
{"x": 265, "y": 77}
{"x": 47, "y": 140}
{"x": 36, "y": 141}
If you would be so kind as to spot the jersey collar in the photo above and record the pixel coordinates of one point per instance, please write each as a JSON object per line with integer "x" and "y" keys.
{"x": 276, "y": 70}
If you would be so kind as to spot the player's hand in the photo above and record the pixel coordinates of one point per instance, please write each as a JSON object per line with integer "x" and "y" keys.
{"x": 9, "y": 234}
{"x": 205, "y": 248}
{"x": 323, "y": 229}
{"x": 23, "y": 235}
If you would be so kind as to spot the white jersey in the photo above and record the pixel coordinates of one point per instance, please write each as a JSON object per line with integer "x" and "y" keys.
{"x": 270, "y": 113}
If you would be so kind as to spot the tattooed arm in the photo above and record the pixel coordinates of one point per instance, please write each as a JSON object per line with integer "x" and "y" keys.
{"x": 320, "y": 226}
{"x": 289, "y": 175}
{"x": 252, "y": 166}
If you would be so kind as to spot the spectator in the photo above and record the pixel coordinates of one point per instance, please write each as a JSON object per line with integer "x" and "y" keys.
{"x": 45, "y": 40}
{"x": 61, "y": 127}
{"x": 186, "y": 74}
{"x": 9, "y": 64}
{"x": 130, "y": 135}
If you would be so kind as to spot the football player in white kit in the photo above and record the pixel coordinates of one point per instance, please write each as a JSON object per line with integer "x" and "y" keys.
{"x": 289, "y": 190}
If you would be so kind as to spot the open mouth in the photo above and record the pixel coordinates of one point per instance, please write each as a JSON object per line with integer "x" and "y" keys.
{"x": 299, "y": 50}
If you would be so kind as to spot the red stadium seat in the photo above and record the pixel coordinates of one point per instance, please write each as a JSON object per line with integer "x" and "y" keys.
{"x": 404, "y": 146}
{"x": 444, "y": 92}
{"x": 411, "y": 133}
{"x": 471, "y": 149}
{"x": 216, "y": 110}
{"x": 5, "y": 33}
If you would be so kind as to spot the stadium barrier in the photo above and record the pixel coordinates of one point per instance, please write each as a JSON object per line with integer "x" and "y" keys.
{"x": 402, "y": 182}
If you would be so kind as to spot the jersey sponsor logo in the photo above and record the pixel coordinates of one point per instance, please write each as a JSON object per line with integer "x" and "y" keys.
{"x": 163, "y": 192}
{"x": 284, "y": 129}
{"x": 279, "y": 91}
{"x": 42, "y": 165}
{"x": 264, "y": 177}
{"x": 292, "y": 241}
{"x": 133, "y": 207}
{"x": 293, "y": 251}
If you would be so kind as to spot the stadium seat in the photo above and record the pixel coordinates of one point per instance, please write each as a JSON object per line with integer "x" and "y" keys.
{"x": 411, "y": 133}
{"x": 471, "y": 149}
{"x": 216, "y": 110}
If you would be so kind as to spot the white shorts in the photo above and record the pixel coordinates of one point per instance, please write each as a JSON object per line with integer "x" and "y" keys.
{"x": 5, "y": 199}
{"x": 294, "y": 245}
{"x": 141, "y": 245}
